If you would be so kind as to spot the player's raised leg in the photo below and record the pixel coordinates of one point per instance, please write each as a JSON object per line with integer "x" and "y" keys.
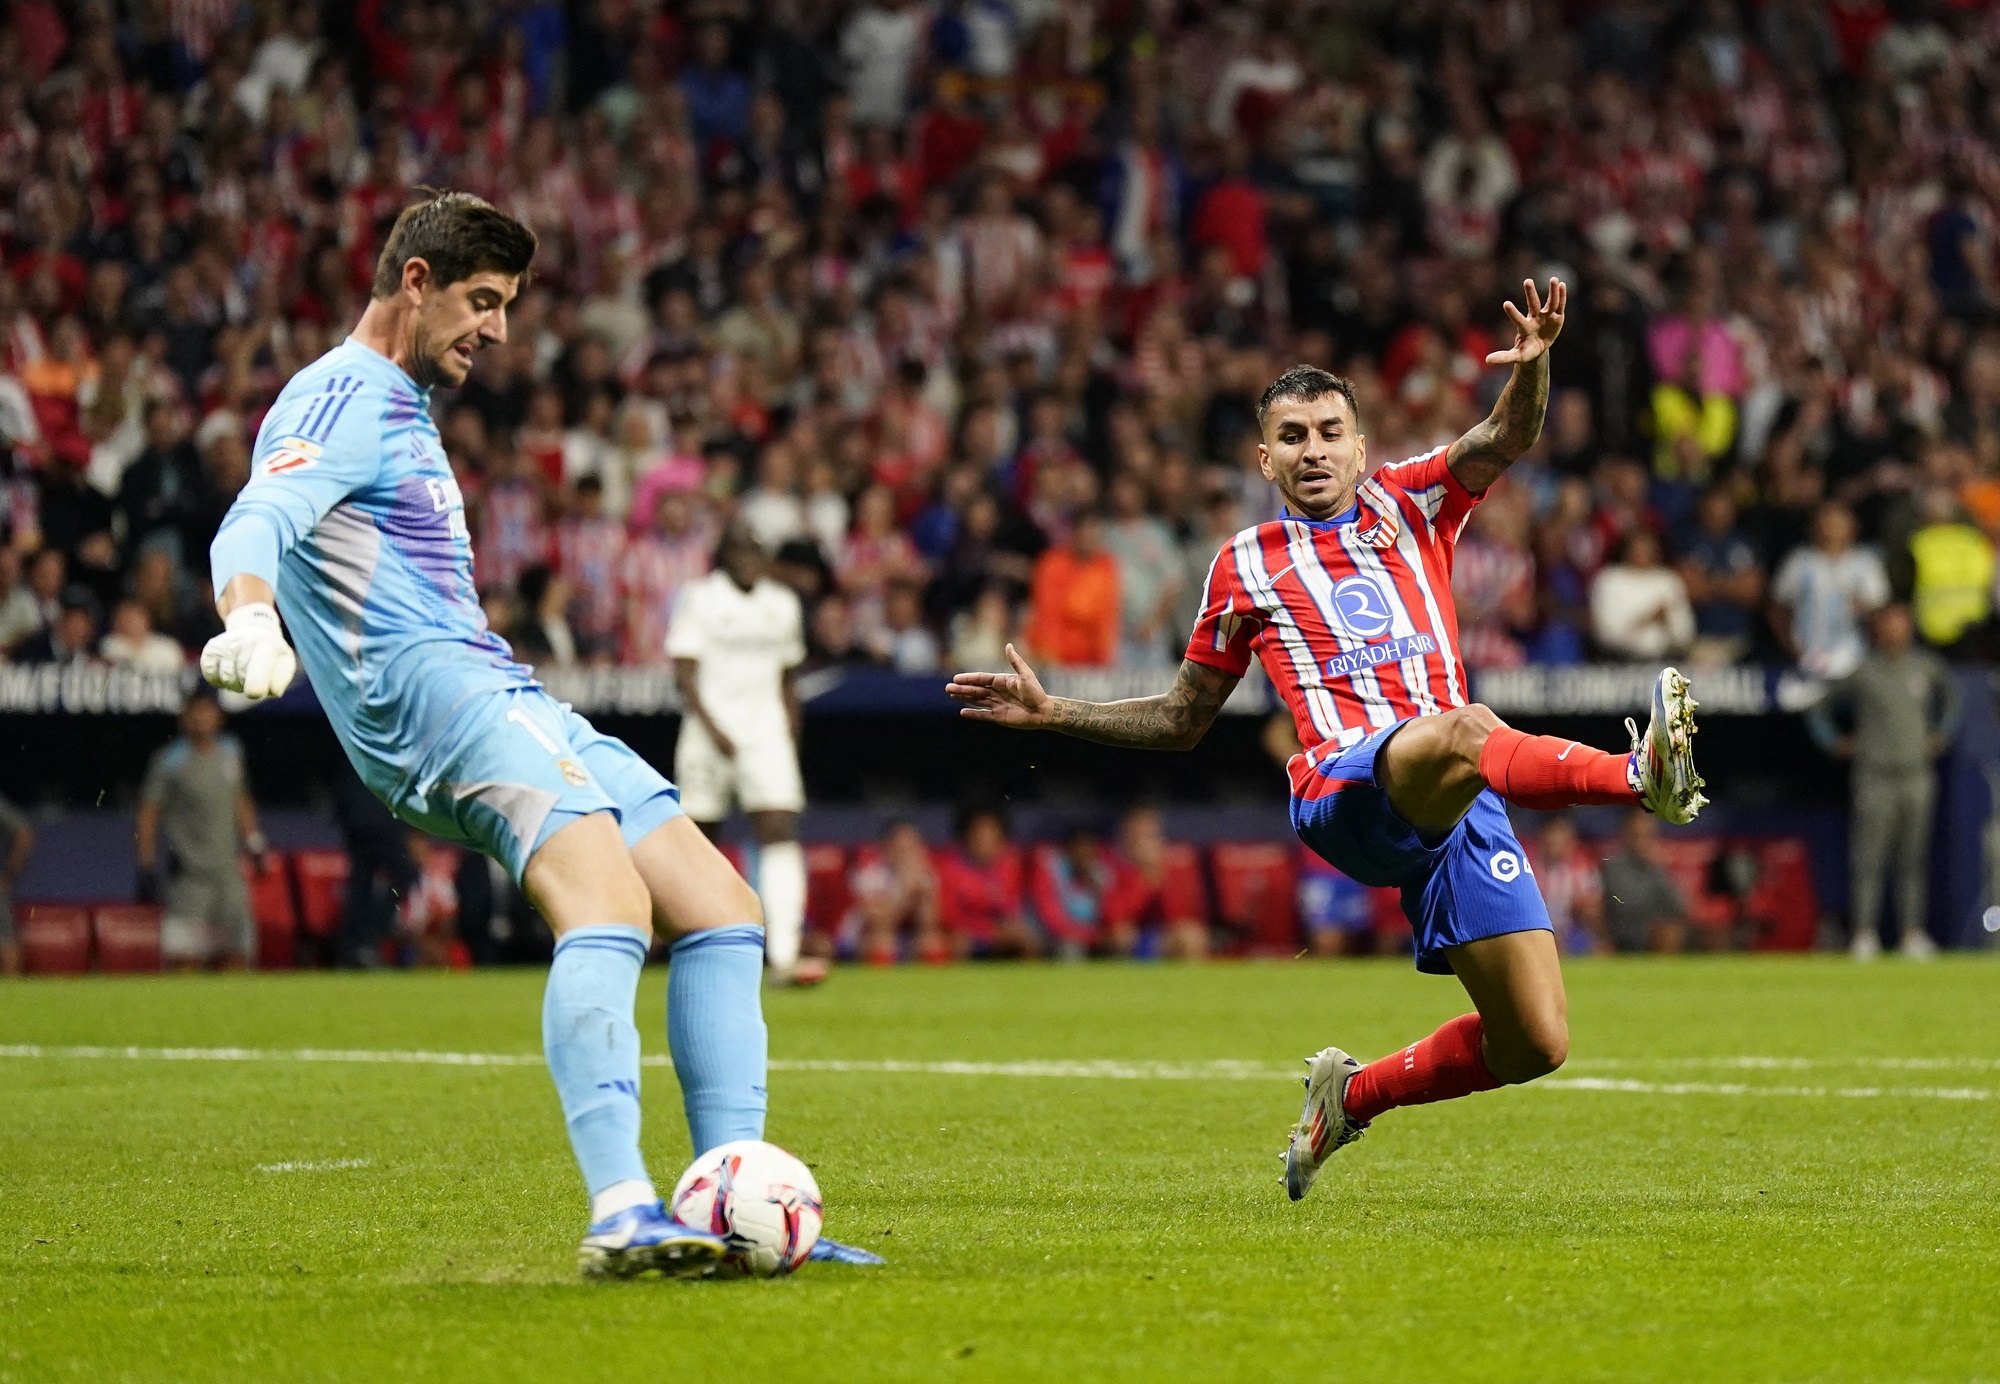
{"x": 1435, "y": 766}
{"x": 583, "y": 881}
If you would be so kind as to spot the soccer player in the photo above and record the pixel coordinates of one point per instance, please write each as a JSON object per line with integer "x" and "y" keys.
{"x": 353, "y": 522}
{"x": 1346, "y": 600}
{"x": 737, "y": 638}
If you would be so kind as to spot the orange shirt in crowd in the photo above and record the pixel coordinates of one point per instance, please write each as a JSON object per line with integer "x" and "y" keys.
{"x": 1074, "y": 609}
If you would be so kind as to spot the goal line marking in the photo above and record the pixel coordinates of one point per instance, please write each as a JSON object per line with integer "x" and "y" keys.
{"x": 1101, "y": 1070}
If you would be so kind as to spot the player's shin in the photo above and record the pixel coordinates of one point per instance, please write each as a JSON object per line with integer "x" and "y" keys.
{"x": 593, "y": 1053}
{"x": 781, "y": 888}
{"x": 1545, "y": 772}
{"x": 715, "y": 1026}
{"x": 1448, "y": 1064}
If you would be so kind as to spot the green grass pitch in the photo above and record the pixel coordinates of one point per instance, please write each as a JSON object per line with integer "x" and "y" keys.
{"x": 1751, "y": 1169}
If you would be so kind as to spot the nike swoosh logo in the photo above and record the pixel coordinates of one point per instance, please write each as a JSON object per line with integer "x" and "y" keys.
{"x": 1566, "y": 749}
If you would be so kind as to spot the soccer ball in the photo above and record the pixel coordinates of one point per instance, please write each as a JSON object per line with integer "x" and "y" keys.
{"x": 763, "y": 1200}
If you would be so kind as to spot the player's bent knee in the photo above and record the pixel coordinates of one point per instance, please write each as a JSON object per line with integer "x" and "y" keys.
{"x": 1471, "y": 727}
{"x": 1535, "y": 1054}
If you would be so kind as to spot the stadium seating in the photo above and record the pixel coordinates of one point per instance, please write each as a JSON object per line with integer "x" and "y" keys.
{"x": 322, "y": 890}
{"x": 55, "y": 938}
{"x": 128, "y": 937}
{"x": 1184, "y": 891}
{"x": 1254, "y": 896}
{"x": 828, "y": 892}
{"x": 274, "y": 910}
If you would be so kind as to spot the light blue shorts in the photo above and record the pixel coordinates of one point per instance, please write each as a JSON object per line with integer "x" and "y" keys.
{"x": 516, "y": 771}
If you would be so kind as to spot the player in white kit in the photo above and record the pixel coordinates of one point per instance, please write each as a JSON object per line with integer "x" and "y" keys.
{"x": 737, "y": 637}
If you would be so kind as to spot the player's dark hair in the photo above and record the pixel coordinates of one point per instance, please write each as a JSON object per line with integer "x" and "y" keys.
{"x": 457, "y": 235}
{"x": 1305, "y": 383}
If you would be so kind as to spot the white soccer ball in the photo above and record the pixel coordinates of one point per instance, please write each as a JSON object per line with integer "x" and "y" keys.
{"x": 758, "y": 1196}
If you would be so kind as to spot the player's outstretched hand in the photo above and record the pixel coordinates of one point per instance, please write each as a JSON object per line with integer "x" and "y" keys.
{"x": 1013, "y": 699}
{"x": 250, "y": 655}
{"x": 1535, "y": 330}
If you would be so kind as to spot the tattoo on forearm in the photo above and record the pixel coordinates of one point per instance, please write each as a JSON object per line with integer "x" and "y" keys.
{"x": 1479, "y": 458}
{"x": 1174, "y": 720}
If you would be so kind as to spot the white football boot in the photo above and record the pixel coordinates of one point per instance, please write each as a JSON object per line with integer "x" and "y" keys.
{"x": 1323, "y": 1123}
{"x": 1917, "y": 945}
{"x": 1662, "y": 764}
{"x": 1865, "y": 947}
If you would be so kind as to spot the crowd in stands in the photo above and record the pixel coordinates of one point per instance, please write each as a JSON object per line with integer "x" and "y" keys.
{"x": 962, "y": 307}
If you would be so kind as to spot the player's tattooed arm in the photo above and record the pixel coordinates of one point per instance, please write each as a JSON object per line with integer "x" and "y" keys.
{"x": 1480, "y": 457}
{"x": 1175, "y": 720}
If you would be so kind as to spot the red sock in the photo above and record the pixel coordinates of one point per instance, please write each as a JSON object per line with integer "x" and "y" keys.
{"x": 1544, "y": 773}
{"x": 1444, "y": 1066}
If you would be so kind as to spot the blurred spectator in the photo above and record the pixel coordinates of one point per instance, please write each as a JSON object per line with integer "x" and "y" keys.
{"x": 378, "y": 869}
{"x": 19, "y": 833}
{"x": 134, "y": 644}
{"x": 1149, "y": 577}
{"x": 71, "y": 638}
{"x": 196, "y": 803}
{"x": 896, "y": 901}
{"x": 1725, "y": 582}
{"x": 543, "y": 637}
{"x": 590, "y": 555}
{"x": 1643, "y": 907}
{"x": 427, "y": 912}
{"x": 877, "y": 555}
{"x": 20, "y": 615}
{"x": 1151, "y": 912}
{"x": 982, "y": 901}
{"x": 907, "y": 644}
{"x": 1638, "y": 605}
{"x": 1951, "y": 593}
{"x": 1069, "y": 888}
{"x": 1493, "y": 582}
{"x": 1566, "y": 871}
{"x": 1694, "y": 426}
{"x": 1823, "y": 591}
{"x": 1905, "y": 710}
{"x": 979, "y": 635}
{"x": 657, "y": 565}
{"x": 1074, "y": 600}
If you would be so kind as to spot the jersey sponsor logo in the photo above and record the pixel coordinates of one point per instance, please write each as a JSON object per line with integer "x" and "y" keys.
{"x": 1360, "y": 607}
{"x": 447, "y": 499}
{"x": 1507, "y": 866}
{"x": 1374, "y": 655}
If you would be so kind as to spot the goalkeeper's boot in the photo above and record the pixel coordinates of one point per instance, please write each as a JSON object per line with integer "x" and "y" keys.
{"x": 1323, "y": 1124}
{"x": 645, "y": 1239}
{"x": 825, "y": 1251}
{"x": 1661, "y": 768}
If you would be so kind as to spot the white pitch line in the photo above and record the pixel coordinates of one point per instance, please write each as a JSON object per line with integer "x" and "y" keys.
{"x": 1098, "y": 1070}
{"x": 1720, "y": 1088}
{"x": 330, "y": 1165}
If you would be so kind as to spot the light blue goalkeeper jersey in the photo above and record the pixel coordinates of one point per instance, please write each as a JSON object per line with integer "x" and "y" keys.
{"x": 353, "y": 516}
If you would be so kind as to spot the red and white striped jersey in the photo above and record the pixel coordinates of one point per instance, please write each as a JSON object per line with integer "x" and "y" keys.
{"x": 1352, "y": 617}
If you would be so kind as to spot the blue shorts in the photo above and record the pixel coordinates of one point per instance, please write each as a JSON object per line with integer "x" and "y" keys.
{"x": 1475, "y": 883}
{"x": 514, "y": 771}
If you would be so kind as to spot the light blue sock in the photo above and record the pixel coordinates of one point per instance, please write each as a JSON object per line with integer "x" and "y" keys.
{"x": 593, "y": 1048}
{"x": 715, "y": 1026}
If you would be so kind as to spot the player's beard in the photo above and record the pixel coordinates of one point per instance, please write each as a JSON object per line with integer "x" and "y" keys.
{"x": 426, "y": 362}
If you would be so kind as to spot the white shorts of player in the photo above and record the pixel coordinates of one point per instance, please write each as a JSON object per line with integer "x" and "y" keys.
{"x": 763, "y": 777}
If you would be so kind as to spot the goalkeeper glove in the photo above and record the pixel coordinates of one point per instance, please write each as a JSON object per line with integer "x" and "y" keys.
{"x": 250, "y": 655}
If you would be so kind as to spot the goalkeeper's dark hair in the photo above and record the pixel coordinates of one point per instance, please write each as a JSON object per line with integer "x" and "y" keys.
{"x": 1306, "y": 383}
{"x": 457, "y": 235}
